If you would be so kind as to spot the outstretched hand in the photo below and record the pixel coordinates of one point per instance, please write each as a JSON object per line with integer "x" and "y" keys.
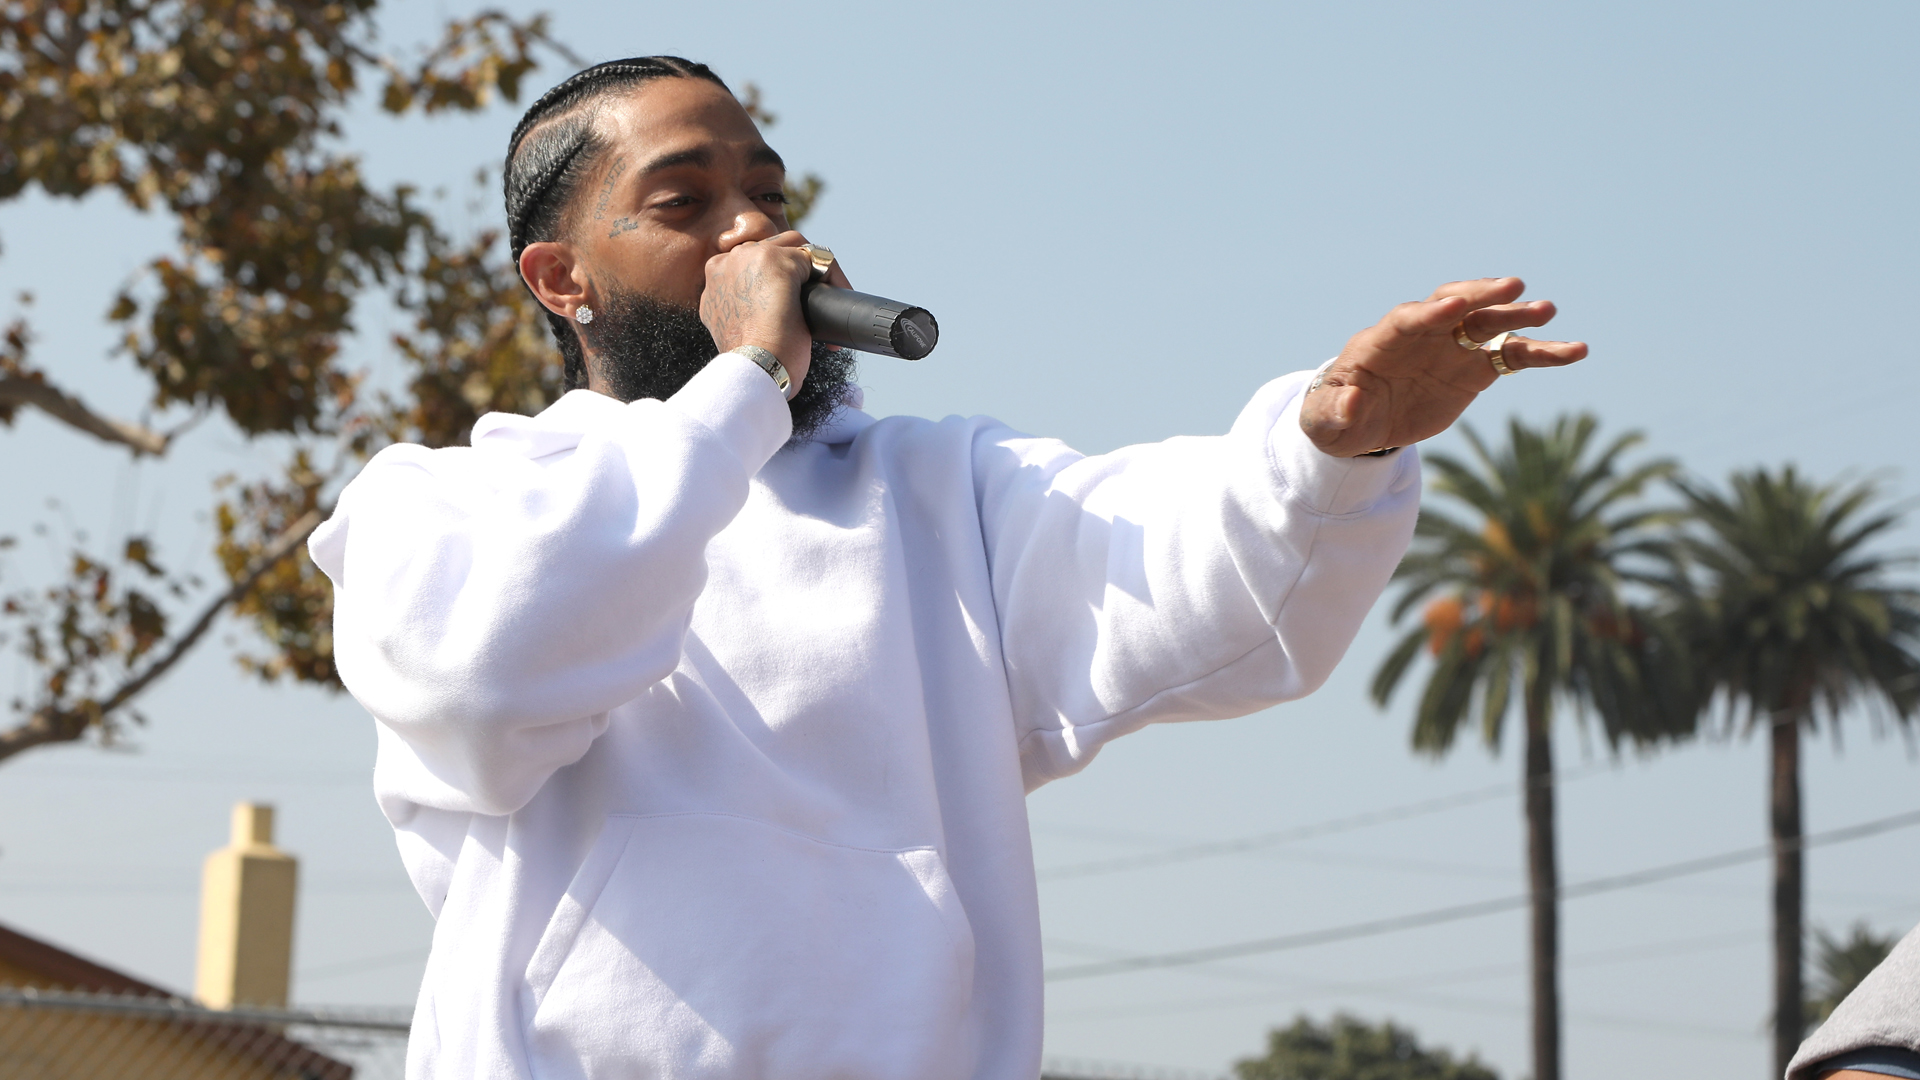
{"x": 1405, "y": 378}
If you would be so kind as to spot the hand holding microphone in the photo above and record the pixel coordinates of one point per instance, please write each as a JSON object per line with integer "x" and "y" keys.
{"x": 779, "y": 294}
{"x": 857, "y": 320}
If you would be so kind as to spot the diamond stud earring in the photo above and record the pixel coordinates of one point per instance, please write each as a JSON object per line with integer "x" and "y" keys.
{"x": 583, "y": 315}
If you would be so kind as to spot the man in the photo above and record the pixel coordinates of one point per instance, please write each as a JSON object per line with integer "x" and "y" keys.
{"x": 706, "y": 718}
{"x": 1875, "y": 1032}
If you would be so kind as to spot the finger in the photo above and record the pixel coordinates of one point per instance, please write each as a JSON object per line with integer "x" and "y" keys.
{"x": 1483, "y": 292}
{"x": 1483, "y": 324}
{"x": 1523, "y": 353}
{"x": 1328, "y": 411}
{"x": 789, "y": 258}
{"x": 1346, "y": 422}
{"x": 1338, "y": 406}
{"x": 835, "y": 276}
{"x": 838, "y": 277}
{"x": 1418, "y": 317}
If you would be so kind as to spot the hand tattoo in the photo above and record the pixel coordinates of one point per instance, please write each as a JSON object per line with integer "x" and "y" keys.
{"x": 729, "y": 306}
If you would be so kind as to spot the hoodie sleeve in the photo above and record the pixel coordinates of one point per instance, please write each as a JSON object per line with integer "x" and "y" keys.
{"x": 489, "y": 609}
{"x": 1198, "y": 578}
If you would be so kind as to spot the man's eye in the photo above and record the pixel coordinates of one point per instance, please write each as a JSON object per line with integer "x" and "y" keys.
{"x": 776, "y": 196}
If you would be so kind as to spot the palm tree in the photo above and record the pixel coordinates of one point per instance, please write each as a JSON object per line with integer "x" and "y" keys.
{"x": 1788, "y": 617}
{"x": 1532, "y": 601}
{"x": 1841, "y": 962}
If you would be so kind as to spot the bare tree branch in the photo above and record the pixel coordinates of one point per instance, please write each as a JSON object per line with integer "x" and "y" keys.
{"x": 33, "y": 389}
{"x": 51, "y": 725}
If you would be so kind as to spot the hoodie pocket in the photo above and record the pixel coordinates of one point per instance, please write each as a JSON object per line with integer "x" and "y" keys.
{"x": 709, "y": 945}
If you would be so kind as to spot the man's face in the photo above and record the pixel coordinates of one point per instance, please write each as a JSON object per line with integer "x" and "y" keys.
{"x": 685, "y": 177}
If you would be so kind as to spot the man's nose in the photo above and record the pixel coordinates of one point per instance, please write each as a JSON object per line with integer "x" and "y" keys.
{"x": 748, "y": 225}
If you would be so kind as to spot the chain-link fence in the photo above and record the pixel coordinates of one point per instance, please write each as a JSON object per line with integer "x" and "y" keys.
{"x": 1059, "y": 1068}
{"x": 65, "y": 1035}
{"x": 68, "y": 1035}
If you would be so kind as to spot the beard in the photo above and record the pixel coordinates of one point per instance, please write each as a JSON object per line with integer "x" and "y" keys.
{"x": 646, "y": 348}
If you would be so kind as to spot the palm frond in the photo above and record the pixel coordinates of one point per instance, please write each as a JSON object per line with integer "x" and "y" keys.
{"x": 1388, "y": 677}
{"x": 1530, "y": 579}
{"x": 1786, "y": 609}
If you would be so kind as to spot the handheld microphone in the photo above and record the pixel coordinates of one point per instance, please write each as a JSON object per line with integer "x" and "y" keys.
{"x": 875, "y": 324}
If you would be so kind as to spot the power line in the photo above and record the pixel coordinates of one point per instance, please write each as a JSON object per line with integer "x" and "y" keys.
{"x": 1445, "y": 1003}
{"x": 1300, "y": 988}
{"x": 1476, "y": 973}
{"x": 1457, "y": 912}
{"x": 1191, "y": 852}
{"x": 1405, "y": 989}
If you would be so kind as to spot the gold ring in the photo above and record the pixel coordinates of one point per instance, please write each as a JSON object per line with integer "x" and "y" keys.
{"x": 1495, "y": 352}
{"x": 1461, "y": 338}
{"x": 822, "y": 260}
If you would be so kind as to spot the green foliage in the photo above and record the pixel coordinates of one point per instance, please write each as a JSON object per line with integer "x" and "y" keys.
{"x": 1787, "y": 615}
{"x": 1347, "y": 1048}
{"x": 1839, "y": 965}
{"x": 1785, "y": 610}
{"x": 1534, "y": 605}
{"x": 1532, "y": 598}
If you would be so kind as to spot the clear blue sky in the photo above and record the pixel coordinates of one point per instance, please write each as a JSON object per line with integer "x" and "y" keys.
{"x": 1127, "y": 217}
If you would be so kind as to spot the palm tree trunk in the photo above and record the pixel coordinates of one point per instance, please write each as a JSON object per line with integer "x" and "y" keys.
{"x": 1789, "y": 889}
{"x": 1543, "y": 874}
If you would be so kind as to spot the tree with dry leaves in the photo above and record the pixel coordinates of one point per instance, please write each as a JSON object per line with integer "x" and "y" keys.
{"x": 225, "y": 116}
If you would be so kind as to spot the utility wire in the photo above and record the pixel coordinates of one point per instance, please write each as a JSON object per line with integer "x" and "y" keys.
{"x": 1191, "y": 852}
{"x": 1476, "y": 973}
{"x": 1408, "y": 989}
{"x": 1457, "y": 912}
{"x": 1306, "y": 988}
{"x": 1443, "y": 1002}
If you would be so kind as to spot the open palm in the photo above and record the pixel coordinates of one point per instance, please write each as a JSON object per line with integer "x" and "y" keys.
{"x": 1406, "y": 378}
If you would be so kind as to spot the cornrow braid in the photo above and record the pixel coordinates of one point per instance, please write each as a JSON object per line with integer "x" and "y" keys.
{"x": 552, "y": 150}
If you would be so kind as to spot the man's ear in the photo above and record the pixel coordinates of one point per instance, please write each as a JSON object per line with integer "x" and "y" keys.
{"x": 555, "y": 276}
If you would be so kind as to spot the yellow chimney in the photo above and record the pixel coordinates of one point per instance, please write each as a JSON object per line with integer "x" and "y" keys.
{"x": 246, "y": 916}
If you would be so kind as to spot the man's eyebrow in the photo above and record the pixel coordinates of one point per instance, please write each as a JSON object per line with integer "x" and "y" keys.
{"x": 699, "y": 156}
{"x": 702, "y": 158}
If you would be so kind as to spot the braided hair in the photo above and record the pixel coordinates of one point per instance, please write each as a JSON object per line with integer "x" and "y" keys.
{"x": 554, "y": 147}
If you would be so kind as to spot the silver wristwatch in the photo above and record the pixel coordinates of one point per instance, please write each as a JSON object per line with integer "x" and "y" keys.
{"x": 770, "y": 363}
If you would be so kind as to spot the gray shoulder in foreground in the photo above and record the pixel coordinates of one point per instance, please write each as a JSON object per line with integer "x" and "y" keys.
{"x": 1883, "y": 1011}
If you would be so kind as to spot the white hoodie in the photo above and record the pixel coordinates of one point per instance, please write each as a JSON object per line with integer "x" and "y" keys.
{"x": 710, "y": 757}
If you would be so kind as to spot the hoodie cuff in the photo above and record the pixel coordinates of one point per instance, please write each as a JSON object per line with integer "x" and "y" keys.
{"x": 735, "y": 399}
{"x": 1331, "y": 485}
